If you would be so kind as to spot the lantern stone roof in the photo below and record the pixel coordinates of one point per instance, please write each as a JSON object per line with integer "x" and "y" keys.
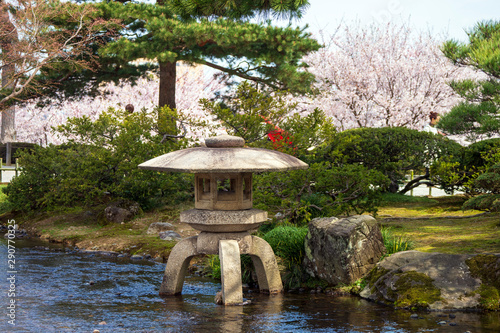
{"x": 223, "y": 153}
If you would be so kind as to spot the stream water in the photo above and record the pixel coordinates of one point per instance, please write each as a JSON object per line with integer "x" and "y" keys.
{"x": 57, "y": 291}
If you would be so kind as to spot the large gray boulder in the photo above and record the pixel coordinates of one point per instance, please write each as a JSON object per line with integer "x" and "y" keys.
{"x": 342, "y": 250}
{"x": 436, "y": 281}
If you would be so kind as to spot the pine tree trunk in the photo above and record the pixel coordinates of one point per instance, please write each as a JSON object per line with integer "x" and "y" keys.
{"x": 167, "y": 84}
{"x": 167, "y": 123}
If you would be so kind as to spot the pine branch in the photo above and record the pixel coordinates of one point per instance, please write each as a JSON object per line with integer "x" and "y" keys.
{"x": 241, "y": 74}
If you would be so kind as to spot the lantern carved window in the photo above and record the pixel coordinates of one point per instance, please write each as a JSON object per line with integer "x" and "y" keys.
{"x": 223, "y": 191}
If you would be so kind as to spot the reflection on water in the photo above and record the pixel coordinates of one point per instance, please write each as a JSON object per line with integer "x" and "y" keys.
{"x": 63, "y": 292}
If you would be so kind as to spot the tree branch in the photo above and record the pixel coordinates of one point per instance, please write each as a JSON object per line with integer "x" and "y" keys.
{"x": 416, "y": 182}
{"x": 240, "y": 74}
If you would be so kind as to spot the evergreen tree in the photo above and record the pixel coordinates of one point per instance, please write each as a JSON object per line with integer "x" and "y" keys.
{"x": 478, "y": 115}
{"x": 217, "y": 34}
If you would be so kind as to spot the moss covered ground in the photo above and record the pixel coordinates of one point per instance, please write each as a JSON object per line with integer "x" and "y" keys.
{"x": 440, "y": 225}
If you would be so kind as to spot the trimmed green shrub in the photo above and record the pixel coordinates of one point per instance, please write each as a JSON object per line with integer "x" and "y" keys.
{"x": 481, "y": 153}
{"x": 489, "y": 184}
{"x": 98, "y": 163}
{"x": 393, "y": 151}
{"x": 321, "y": 190}
{"x": 486, "y": 202}
{"x": 490, "y": 180}
{"x": 459, "y": 171}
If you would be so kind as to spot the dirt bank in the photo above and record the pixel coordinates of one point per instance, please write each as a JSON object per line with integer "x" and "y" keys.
{"x": 87, "y": 230}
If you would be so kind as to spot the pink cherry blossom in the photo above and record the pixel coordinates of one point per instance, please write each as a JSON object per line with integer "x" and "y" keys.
{"x": 382, "y": 75}
{"x": 193, "y": 83}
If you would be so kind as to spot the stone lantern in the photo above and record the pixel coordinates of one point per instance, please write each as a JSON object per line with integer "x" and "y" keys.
{"x": 223, "y": 212}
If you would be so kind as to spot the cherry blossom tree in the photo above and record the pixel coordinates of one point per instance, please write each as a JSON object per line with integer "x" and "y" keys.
{"x": 193, "y": 84}
{"x": 33, "y": 40}
{"x": 380, "y": 76}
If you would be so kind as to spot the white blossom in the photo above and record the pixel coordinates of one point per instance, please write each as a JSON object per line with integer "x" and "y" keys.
{"x": 34, "y": 123}
{"x": 380, "y": 76}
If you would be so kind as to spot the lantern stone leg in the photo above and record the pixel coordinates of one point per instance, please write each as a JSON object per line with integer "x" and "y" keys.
{"x": 230, "y": 267}
{"x": 229, "y": 250}
{"x": 266, "y": 267}
{"x": 177, "y": 266}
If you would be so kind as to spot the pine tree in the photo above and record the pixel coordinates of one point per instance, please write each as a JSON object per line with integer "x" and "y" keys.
{"x": 217, "y": 34}
{"x": 478, "y": 116}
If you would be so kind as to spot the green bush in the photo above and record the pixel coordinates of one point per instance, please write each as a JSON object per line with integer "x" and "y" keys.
{"x": 459, "y": 171}
{"x": 97, "y": 163}
{"x": 490, "y": 180}
{"x": 321, "y": 190}
{"x": 489, "y": 184}
{"x": 5, "y": 205}
{"x": 486, "y": 202}
{"x": 481, "y": 154}
{"x": 393, "y": 151}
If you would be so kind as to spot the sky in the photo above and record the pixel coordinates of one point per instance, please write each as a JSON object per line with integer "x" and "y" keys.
{"x": 442, "y": 18}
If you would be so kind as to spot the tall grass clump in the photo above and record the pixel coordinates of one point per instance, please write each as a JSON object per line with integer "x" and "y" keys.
{"x": 395, "y": 243}
{"x": 213, "y": 269}
{"x": 213, "y": 266}
{"x": 288, "y": 244}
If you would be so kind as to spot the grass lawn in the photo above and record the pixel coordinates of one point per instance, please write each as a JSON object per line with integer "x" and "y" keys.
{"x": 440, "y": 225}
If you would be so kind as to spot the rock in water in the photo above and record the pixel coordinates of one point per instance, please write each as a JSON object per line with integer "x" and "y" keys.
{"x": 218, "y": 298}
{"x": 342, "y": 250}
{"x": 436, "y": 281}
